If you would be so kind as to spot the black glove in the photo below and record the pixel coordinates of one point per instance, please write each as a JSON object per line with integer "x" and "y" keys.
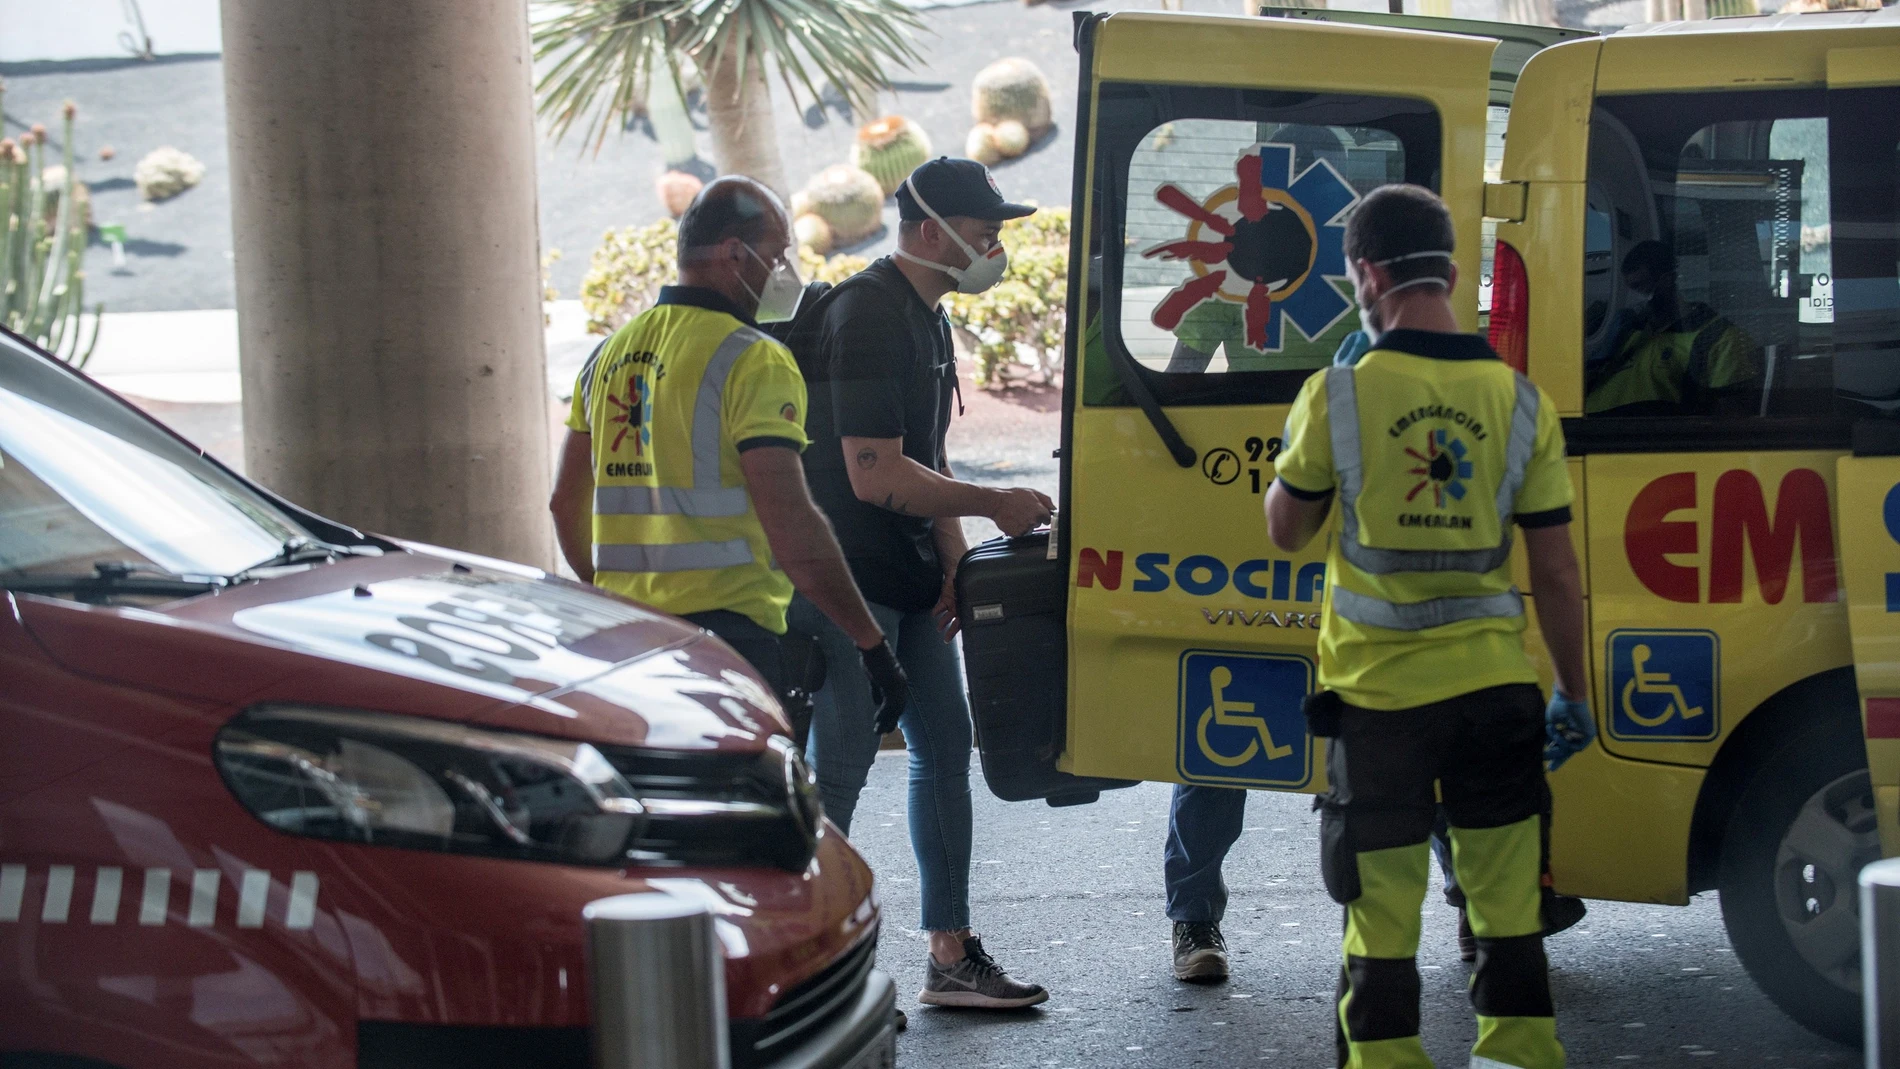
{"x": 890, "y": 689}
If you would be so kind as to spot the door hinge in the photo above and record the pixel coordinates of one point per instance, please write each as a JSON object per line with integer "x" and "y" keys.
{"x": 1505, "y": 200}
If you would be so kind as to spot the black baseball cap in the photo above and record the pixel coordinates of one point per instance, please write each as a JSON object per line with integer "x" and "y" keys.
{"x": 956, "y": 187}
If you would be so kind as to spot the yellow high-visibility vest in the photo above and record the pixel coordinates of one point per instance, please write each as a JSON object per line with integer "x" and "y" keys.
{"x": 670, "y": 401}
{"x": 1435, "y": 449}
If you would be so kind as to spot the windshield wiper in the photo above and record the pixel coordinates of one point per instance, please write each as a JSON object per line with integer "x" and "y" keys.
{"x": 298, "y": 550}
{"x": 113, "y": 579}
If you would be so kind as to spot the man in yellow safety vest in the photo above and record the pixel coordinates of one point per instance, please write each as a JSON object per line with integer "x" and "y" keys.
{"x": 680, "y": 483}
{"x": 1434, "y": 449}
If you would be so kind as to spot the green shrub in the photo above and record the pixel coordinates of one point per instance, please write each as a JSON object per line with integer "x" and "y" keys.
{"x": 834, "y": 269}
{"x": 1021, "y": 321}
{"x": 625, "y": 275}
{"x": 626, "y": 272}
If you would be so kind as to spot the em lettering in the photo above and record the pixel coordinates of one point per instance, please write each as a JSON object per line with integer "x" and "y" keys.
{"x": 1739, "y": 526}
{"x": 1203, "y": 575}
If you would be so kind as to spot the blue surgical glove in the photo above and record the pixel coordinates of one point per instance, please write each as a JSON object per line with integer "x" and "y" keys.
{"x": 1568, "y": 728}
{"x": 1351, "y": 348}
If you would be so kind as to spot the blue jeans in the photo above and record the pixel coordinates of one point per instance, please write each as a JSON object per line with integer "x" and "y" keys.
{"x": 1204, "y": 823}
{"x": 937, "y": 731}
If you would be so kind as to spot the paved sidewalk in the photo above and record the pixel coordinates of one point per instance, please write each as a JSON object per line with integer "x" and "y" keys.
{"x": 191, "y": 356}
{"x": 1071, "y": 898}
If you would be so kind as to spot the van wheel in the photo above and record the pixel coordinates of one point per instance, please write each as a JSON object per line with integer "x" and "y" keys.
{"x": 1791, "y": 855}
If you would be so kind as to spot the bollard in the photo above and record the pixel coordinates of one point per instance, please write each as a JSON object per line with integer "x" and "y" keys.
{"x": 657, "y": 983}
{"x": 1880, "y": 962}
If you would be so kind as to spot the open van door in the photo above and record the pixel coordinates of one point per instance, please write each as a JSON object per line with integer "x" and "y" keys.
{"x": 1217, "y": 160}
{"x": 1863, "y": 307}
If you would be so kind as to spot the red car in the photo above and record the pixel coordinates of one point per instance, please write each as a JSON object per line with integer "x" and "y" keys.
{"x": 277, "y": 792}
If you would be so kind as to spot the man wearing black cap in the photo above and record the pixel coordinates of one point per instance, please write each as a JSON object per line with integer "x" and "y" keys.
{"x": 877, "y": 356}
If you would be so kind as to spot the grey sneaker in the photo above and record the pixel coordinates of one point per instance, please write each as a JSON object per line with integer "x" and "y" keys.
{"x": 1200, "y": 954}
{"x": 977, "y": 982}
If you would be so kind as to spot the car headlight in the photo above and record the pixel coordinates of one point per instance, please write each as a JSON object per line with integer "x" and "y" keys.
{"x": 723, "y": 809}
{"x": 406, "y": 781}
{"x": 427, "y": 784}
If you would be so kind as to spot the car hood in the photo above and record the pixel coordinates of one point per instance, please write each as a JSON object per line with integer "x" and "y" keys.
{"x": 431, "y": 633}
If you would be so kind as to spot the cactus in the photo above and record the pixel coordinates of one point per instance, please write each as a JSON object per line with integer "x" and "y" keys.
{"x": 167, "y": 172}
{"x": 1012, "y": 138}
{"x": 42, "y": 284}
{"x": 813, "y": 233}
{"x": 53, "y": 181}
{"x": 889, "y": 150}
{"x": 1012, "y": 89}
{"x": 677, "y": 190}
{"x": 981, "y": 145}
{"x": 849, "y": 200}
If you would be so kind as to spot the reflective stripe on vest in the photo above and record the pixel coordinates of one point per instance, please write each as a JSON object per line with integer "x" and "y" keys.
{"x": 675, "y": 557}
{"x": 1419, "y": 615}
{"x": 1342, "y": 410}
{"x": 706, "y": 498}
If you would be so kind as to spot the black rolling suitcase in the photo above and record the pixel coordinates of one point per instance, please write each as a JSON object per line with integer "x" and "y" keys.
{"x": 1011, "y": 600}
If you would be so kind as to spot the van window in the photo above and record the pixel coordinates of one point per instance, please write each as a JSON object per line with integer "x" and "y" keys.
{"x": 1862, "y": 296}
{"x": 1225, "y": 209}
{"x": 1709, "y": 245}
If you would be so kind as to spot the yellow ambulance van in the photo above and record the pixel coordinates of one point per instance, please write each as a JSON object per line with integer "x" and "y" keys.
{"x": 1687, "y": 234}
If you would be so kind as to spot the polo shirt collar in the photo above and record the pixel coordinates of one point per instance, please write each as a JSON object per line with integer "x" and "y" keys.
{"x": 1436, "y": 345}
{"x": 701, "y": 297}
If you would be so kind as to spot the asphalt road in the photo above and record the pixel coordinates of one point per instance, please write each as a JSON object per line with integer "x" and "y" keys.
{"x": 1072, "y": 899}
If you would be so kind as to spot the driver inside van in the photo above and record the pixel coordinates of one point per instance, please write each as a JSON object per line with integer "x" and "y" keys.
{"x": 1667, "y": 356}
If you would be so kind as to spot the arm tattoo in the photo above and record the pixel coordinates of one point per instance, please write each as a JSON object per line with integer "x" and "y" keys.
{"x": 867, "y": 458}
{"x": 894, "y": 505}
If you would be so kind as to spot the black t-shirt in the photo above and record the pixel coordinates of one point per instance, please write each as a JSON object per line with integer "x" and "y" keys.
{"x": 878, "y": 363}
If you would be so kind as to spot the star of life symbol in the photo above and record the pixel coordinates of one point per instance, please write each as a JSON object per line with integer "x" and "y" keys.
{"x": 1442, "y": 467}
{"x": 633, "y": 416}
{"x": 1261, "y": 243}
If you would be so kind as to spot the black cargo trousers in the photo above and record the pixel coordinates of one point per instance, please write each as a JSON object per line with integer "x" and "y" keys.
{"x": 1483, "y": 752}
{"x": 790, "y": 663}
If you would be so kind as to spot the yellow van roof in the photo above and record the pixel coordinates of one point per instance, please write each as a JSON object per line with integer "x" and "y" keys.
{"x": 1729, "y": 53}
{"x": 1810, "y": 20}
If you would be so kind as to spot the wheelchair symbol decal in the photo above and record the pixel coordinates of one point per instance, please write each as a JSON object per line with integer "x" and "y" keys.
{"x": 1240, "y": 719}
{"x": 1664, "y": 685}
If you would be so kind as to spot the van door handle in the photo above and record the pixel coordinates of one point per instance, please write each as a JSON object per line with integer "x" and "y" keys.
{"x": 1505, "y": 201}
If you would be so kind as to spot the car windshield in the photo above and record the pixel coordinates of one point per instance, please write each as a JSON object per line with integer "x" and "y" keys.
{"x": 88, "y": 486}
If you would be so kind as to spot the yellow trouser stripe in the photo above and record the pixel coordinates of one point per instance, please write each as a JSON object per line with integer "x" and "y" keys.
{"x": 1517, "y": 1043}
{"x": 1407, "y": 1053}
{"x": 1500, "y": 870}
{"x": 1383, "y": 922}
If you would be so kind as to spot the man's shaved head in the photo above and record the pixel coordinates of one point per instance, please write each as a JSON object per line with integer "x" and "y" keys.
{"x": 731, "y": 206}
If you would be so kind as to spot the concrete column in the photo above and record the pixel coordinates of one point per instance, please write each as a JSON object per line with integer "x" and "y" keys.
{"x": 388, "y": 275}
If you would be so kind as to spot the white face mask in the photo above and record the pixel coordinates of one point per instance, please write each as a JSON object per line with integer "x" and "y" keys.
{"x": 1369, "y": 314}
{"x": 778, "y": 300}
{"x": 986, "y": 268}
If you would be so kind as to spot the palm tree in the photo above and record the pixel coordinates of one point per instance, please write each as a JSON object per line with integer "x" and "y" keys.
{"x": 599, "y": 56}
